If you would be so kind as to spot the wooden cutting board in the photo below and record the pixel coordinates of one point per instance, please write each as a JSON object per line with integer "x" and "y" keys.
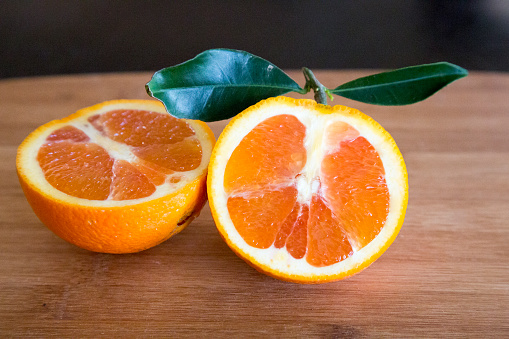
{"x": 447, "y": 273}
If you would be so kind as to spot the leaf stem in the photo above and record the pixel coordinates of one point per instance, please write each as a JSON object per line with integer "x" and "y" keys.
{"x": 312, "y": 83}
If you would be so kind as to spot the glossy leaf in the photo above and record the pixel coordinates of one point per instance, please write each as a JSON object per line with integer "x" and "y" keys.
{"x": 403, "y": 86}
{"x": 218, "y": 84}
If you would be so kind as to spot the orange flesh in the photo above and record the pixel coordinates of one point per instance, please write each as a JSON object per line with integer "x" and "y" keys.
{"x": 346, "y": 211}
{"x": 260, "y": 215}
{"x": 161, "y": 144}
{"x": 271, "y": 154}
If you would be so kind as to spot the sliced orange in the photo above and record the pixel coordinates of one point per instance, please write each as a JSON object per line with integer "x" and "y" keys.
{"x": 118, "y": 177}
{"x": 306, "y": 192}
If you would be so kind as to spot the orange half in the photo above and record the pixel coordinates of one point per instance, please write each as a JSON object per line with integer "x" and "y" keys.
{"x": 117, "y": 177}
{"x": 306, "y": 192}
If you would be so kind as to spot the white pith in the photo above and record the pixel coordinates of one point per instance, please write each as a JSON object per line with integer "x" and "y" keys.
{"x": 116, "y": 150}
{"x": 279, "y": 259}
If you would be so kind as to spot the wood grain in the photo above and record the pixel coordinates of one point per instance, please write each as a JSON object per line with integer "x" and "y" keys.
{"x": 446, "y": 275}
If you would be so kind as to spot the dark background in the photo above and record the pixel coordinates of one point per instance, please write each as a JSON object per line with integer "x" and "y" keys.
{"x": 62, "y": 37}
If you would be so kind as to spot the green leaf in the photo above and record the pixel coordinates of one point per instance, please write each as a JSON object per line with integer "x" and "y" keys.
{"x": 218, "y": 84}
{"x": 402, "y": 86}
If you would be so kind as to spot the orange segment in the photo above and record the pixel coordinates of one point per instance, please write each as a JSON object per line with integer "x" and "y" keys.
{"x": 157, "y": 177}
{"x": 302, "y": 191}
{"x": 271, "y": 153}
{"x": 287, "y": 226}
{"x": 117, "y": 177}
{"x": 129, "y": 183}
{"x": 297, "y": 242}
{"x": 260, "y": 229}
{"x": 354, "y": 185}
{"x": 139, "y": 127}
{"x": 181, "y": 156}
{"x": 82, "y": 170}
{"x": 328, "y": 241}
{"x": 293, "y": 231}
{"x": 70, "y": 133}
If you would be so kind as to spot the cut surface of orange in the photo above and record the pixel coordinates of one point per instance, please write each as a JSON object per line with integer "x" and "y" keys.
{"x": 118, "y": 177}
{"x": 306, "y": 192}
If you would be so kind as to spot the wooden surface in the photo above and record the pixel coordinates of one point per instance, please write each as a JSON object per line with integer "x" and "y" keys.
{"x": 446, "y": 275}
